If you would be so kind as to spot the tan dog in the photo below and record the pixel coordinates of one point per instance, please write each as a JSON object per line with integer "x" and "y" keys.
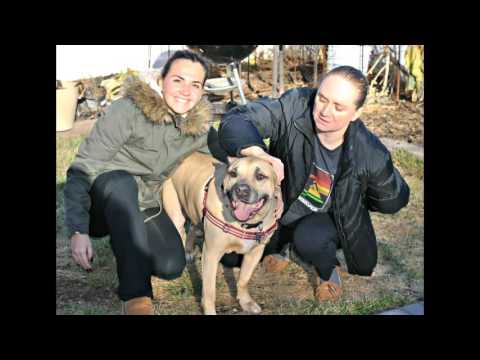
{"x": 241, "y": 200}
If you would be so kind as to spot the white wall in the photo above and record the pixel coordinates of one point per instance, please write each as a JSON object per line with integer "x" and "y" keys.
{"x": 353, "y": 55}
{"x": 266, "y": 49}
{"x": 161, "y": 53}
{"x": 82, "y": 61}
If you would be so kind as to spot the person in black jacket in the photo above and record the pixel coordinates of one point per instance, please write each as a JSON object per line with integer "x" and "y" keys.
{"x": 332, "y": 169}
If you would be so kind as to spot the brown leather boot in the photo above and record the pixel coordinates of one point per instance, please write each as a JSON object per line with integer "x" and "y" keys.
{"x": 275, "y": 263}
{"x": 138, "y": 306}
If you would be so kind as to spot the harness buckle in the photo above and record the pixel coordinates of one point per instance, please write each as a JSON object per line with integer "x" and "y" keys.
{"x": 225, "y": 227}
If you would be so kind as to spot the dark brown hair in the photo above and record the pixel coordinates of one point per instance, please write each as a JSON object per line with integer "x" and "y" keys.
{"x": 187, "y": 55}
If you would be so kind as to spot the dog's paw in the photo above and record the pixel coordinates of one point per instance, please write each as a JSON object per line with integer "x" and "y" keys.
{"x": 209, "y": 312}
{"x": 250, "y": 306}
{"x": 208, "y": 307}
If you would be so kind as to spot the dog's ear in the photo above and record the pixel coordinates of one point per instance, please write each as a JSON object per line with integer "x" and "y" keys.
{"x": 275, "y": 178}
{"x": 231, "y": 159}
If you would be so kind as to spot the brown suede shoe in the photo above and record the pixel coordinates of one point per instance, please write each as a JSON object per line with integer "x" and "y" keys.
{"x": 138, "y": 306}
{"x": 275, "y": 263}
{"x": 329, "y": 290}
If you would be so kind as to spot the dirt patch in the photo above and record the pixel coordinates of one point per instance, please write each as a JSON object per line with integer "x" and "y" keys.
{"x": 399, "y": 121}
{"x": 74, "y": 291}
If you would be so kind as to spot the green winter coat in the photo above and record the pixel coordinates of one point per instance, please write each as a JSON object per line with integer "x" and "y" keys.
{"x": 139, "y": 135}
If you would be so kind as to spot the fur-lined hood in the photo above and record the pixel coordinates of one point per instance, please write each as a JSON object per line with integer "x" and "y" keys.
{"x": 154, "y": 108}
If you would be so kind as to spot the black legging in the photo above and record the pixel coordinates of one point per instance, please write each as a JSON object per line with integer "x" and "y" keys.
{"x": 141, "y": 249}
{"x": 314, "y": 239}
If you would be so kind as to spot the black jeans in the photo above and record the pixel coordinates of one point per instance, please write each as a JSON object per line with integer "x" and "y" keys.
{"x": 141, "y": 249}
{"x": 314, "y": 238}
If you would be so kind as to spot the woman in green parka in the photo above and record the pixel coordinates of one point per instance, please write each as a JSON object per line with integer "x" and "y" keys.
{"x": 113, "y": 185}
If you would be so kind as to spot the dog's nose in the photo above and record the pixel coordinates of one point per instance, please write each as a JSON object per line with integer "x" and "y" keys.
{"x": 242, "y": 191}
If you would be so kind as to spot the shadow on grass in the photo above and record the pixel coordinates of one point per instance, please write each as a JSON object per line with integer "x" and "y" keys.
{"x": 60, "y": 211}
{"x": 309, "y": 269}
{"x": 394, "y": 260}
{"x": 196, "y": 279}
{"x": 229, "y": 276}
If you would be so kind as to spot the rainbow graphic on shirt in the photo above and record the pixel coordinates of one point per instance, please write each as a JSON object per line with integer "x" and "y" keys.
{"x": 317, "y": 190}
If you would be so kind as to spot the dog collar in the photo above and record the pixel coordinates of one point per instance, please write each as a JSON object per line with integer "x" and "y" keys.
{"x": 258, "y": 236}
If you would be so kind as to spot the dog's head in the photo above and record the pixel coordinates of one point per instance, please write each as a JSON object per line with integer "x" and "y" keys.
{"x": 249, "y": 185}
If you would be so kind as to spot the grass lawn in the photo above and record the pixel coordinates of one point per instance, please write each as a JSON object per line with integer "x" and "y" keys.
{"x": 397, "y": 280}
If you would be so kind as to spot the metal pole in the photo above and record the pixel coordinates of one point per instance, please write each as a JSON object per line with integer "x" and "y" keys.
{"x": 275, "y": 71}
{"x": 280, "y": 69}
{"x": 398, "y": 75}
{"x": 361, "y": 58}
{"x": 149, "y": 55}
{"x": 248, "y": 69}
{"x": 239, "y": 84}
{"x": 248, "y": 74}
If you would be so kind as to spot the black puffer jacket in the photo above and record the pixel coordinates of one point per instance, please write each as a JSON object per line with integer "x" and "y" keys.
{"x": 366, "y": 177}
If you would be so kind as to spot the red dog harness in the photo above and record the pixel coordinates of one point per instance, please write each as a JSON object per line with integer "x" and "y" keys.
{"x": 232, "y": 230}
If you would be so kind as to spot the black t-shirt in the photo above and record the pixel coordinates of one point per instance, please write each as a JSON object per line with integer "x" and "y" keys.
{"x": 317, "y": 192}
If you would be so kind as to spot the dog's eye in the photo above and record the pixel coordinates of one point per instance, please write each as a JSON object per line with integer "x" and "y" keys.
{"x": 260, "y": 177}
{"x": 232, "y": 173}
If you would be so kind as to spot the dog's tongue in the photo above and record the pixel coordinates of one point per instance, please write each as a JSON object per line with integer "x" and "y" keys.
{"x": 243, "y": 211}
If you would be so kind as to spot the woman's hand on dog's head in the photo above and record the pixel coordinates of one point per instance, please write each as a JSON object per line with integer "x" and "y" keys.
{"x": 276, "y": 163}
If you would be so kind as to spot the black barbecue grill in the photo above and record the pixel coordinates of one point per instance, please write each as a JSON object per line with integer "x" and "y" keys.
{"x": 231, "y": 55}
{"x": 224, "y": 54}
